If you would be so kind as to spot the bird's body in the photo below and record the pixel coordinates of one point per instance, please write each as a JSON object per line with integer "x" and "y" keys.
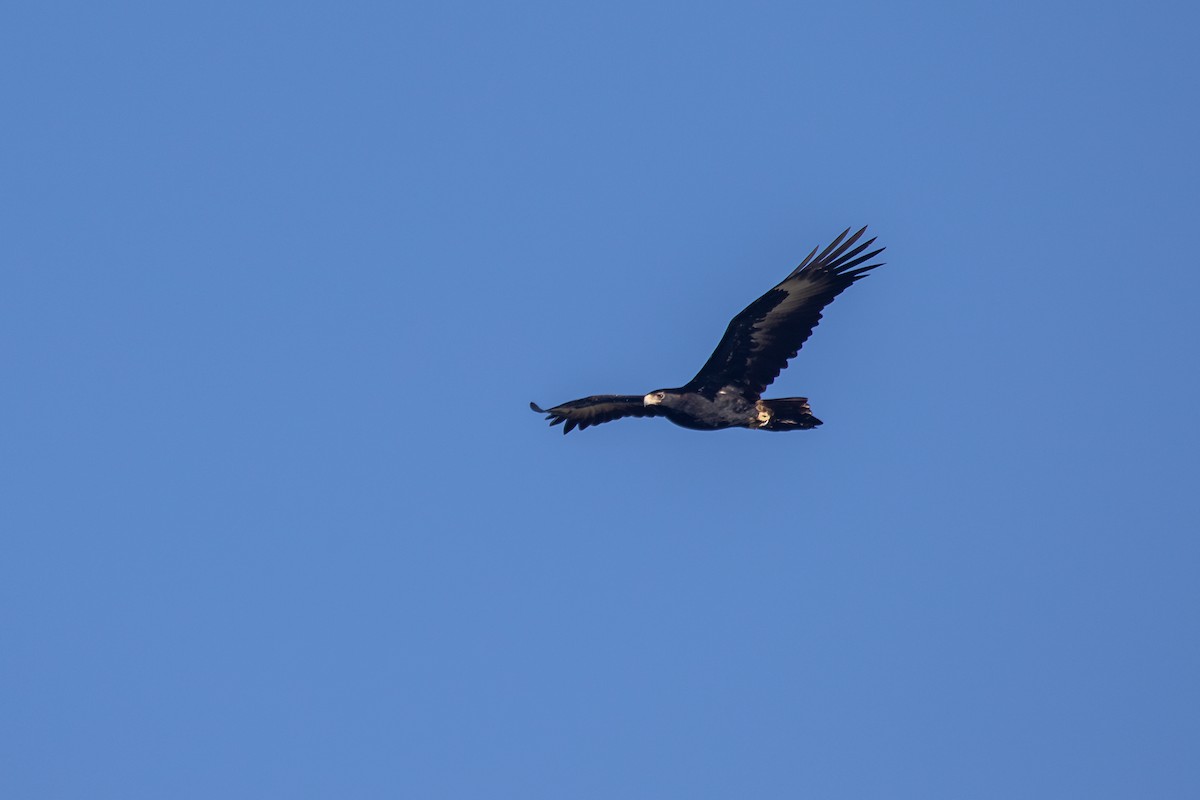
{"x": 725, "y": 409}
{"x": 727, "y": 391}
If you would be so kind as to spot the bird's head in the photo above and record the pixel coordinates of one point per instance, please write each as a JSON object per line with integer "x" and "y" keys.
{"x": 654, "y": 398}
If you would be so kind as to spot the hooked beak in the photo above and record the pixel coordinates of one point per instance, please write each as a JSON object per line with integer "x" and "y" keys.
{"x": 651, "y": 400}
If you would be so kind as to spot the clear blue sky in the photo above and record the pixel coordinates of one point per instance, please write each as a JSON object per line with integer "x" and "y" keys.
{"x": 278, "y": 280}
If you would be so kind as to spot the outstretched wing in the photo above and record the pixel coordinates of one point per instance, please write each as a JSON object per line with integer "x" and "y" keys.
{"x": 597, "y": 409}
{"x": 760, "y": 340}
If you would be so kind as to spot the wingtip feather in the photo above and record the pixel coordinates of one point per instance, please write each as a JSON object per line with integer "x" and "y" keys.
{"x": 804, "y": 263}
{"x": 847, "y": 268}
{"x": 832, "y": 245}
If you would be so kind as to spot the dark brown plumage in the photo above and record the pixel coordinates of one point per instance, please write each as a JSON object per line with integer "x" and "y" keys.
{"x": 756, "y": 347}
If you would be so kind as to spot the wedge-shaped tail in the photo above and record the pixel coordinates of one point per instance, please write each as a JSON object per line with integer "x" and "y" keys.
{"x": 788, "y": 414}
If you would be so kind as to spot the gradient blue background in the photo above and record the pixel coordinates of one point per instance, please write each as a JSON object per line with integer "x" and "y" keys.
{"x": 277, "y": 281}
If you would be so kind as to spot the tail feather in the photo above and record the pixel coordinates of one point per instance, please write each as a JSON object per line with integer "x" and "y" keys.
{"x": 788, "y": 414}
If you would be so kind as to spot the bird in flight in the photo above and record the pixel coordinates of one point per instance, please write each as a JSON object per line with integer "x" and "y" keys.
{"x": 727, "y": 391}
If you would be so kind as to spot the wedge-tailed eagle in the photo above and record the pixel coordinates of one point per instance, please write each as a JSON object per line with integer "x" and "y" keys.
{"x": 727, "y": 391}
